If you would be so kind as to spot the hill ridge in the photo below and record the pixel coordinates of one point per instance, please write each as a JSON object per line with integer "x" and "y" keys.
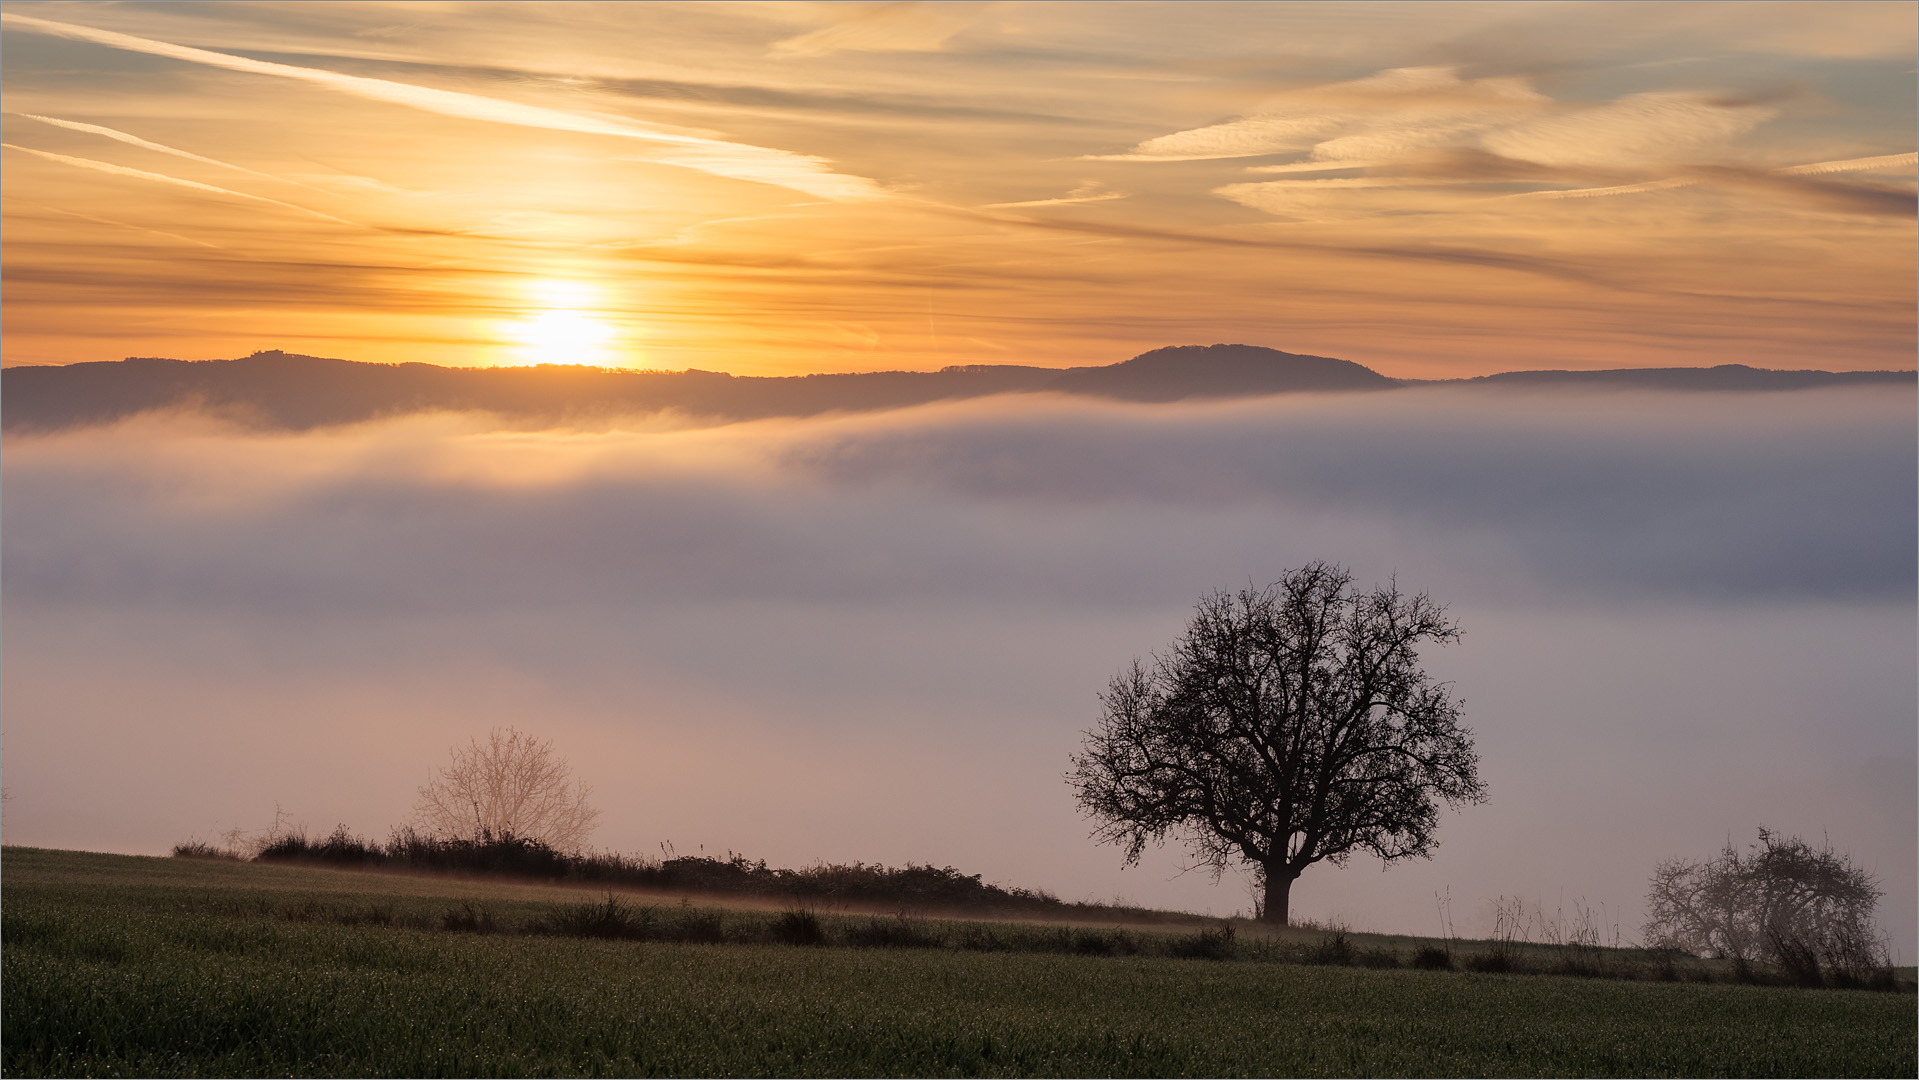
{"x": 278, "y": 389}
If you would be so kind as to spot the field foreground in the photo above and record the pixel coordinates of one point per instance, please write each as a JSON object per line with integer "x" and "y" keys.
{"x": 117, "y": 965}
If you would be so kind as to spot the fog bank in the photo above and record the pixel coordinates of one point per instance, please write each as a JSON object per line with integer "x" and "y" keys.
{"x": 878, "y": 637}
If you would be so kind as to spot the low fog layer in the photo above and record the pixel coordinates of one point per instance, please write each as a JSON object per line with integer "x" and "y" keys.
{"x": 879, "y": 637}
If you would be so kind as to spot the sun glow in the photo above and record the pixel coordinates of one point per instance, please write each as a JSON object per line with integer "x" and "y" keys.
{"x": 564, "y": 327}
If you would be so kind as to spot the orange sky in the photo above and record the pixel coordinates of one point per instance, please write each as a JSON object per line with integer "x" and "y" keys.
{"x": 1431, "y": 190}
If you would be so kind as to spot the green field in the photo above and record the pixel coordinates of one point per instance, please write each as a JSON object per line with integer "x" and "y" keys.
{"x": 117, "y": 965}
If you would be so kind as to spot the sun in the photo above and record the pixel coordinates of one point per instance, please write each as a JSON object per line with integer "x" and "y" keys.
{"x": 563, "y": 326}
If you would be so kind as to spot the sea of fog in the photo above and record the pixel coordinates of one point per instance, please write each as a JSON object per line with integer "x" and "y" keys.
{"x": 878, "y": 637}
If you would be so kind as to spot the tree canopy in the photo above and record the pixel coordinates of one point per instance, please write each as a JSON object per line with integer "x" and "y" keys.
{"x": 1288, "y": 725}
{"x": 511, "y": 786}
{"x": 1782, "y": 902}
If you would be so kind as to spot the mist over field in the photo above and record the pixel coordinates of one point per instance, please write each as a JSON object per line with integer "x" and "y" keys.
{"x": 878, "y": 637}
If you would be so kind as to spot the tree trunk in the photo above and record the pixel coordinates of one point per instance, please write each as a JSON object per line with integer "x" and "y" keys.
{"x": 1279, "y": 891}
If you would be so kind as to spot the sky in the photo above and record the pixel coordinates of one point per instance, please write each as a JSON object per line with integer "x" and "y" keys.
{"x": 1432, "y": 190}
{"x": 879, "y": 637}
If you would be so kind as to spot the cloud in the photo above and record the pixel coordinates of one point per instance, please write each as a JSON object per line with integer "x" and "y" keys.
{"x": 1637, "y": 130}
{"x": 886, "y": 27}
{"x": 131, "y": 227}
{"x": 1782, "y": 184}
{"x": 1792, "y": 495}
{"x": 1419, "y": 110}
{"x": 161, "y": 178}
{"x": 1430, "y": 141}
{"x": 1883, "y": 161}
{"x": 146, "y": 144}
{"x": 1088, "y": 191}
{"x": 1392, "y": 113}
{"x": 1345, "y": 197}
{"x": 735, "y": 160}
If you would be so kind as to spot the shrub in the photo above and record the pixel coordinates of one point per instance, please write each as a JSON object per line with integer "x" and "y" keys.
{"x": 702, "y": 927}
{"x": 1378, "y": 958}
{"x": 1335, "y": 950}
{"x": 1433, "y": 958}
{"x": 1216, "y": 944}
{"x": 1086, "y": 942}
{"x": 798, "y": 927}
{"x": 200, "y": 849}
{"x": 1494, "y": 962}
{"x": 898, "y": 932}
{"x": 468, "y": 919}
{"x": 1803, "y": 910}
{"x": 611, "y": 918}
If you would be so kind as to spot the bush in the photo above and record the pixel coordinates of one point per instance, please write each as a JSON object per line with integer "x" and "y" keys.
{"x": 1804, "y": 911}
{"x": 1335, "y": 950}
{"x": 799, "y": 927}
{"x": 1433, "y": 958}
{"x": 1217, "y": 944}
{"x": 200, "y": 849}
{"x": 1085, "y": 942}
{"x": 611, "y": 918}
{"x": 702, "y": 927}
{"x": 898, "y": 932}
{"x": 1495, "y": 962}
{"x": 1378, "y": 958}
{"x": 468, "y": 919}
{"x": 911, "y": 888}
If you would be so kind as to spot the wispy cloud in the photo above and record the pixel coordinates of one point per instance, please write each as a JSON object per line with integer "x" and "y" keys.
{"x": 148, "y": 144}
{"x": 1090, "y": 191}
{"x": 131, "y": 227}
{"x": 885, "y": 27}
{"x": 737, "y": 161}
{"x": 1386, "y": 115}
{"x": 1431, "y": 141}
{"x": 1784, "y": 182}
{"x": 161, "y": 178}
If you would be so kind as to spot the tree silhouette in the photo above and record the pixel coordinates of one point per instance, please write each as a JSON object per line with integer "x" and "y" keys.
{"x": 1783, "y": 902}
{"x": 1288, "y": 725}
{"x": 511, "y": 787}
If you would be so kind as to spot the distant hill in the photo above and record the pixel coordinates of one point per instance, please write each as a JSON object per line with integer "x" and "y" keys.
{"x": 282, "y": 390}
{"x": 1186, "y": 371}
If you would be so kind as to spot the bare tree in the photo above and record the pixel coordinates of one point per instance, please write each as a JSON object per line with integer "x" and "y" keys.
{"x": 511, "y": 786}
{"x": 1290, "y": 724}
{"x": 1781, "y": 902}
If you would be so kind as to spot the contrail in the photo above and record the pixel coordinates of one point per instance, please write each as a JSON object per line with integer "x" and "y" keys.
{"x": 738, "y": 161}
{"x": 162, "y": 178}
{"x": 147, "y": 144}
{"x": 128, "y": 225}
{"x": 1886, "y": 161}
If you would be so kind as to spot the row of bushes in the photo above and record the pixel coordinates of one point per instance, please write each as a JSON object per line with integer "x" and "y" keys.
{"x": 913, "y": 887}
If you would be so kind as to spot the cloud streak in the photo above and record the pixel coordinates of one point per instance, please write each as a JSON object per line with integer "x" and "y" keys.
{"x": 734, "y": 160}
{"x": 1858, "y": 200}
{"x": 1430, "y": 142}
{"x": 147, "y": 144}
{"x": 161, "y": 178}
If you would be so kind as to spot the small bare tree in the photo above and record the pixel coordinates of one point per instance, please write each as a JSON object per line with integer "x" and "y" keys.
{"x": 510, "y": 787}
{"x": 1782, "y": 902}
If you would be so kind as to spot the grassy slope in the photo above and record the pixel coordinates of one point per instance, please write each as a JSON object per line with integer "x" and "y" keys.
{"x": 115, "y": 964}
